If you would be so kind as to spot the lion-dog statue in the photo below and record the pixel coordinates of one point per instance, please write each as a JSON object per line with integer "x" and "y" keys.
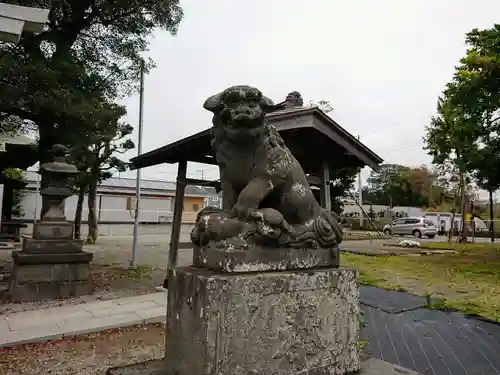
{"x": 267, "y": 200}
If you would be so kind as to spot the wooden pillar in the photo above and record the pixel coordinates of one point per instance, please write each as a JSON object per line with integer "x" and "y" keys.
{"x": 326, "y": 198}
{"x": 177, "y": 220}
{"x": 7, "y": 201}
{"x": 2, "y": 187}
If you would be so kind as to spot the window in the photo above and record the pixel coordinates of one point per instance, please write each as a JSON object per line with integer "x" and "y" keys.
{"x": 412, "y": 221}
{"x": 195, "y": 207}
{"x": 399, "y": 221}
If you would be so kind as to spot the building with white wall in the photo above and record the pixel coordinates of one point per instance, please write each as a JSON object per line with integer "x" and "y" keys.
{"x": 116, "y": 201}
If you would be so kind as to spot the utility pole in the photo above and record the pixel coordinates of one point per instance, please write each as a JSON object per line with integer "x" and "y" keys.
{"x": 390, "y": 211}
{"x": 138, "y": 177}
{"x": 360, "y": 198}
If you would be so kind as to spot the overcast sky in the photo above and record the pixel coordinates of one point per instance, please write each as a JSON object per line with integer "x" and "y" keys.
{"x": 382, "y": 64}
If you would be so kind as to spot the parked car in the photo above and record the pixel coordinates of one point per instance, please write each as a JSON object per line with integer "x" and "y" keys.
{"x": 416, "y": 226}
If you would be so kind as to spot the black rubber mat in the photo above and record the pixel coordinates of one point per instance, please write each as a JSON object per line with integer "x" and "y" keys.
{"x": 389, "y": 301}
{"x": 433, "y": 342}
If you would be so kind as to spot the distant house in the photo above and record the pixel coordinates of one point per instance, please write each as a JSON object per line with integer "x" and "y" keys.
{"x": 116, "y": 201}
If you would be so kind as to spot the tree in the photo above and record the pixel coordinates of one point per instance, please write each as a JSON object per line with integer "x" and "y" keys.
{"x": 341, "y": 181}
{"x": 96, "y": 158}
{"x": 89, "y": 52}
{"x": 324, "y": 105}
{"x": 466, "y": 131}
{"x": 449, "y": 137}
{"x": 487, "y": 175}
{"x": 385, "y": 184}
{"x": 399, "y": 185}
{"x": 11, "y": 126}
{"x": 478, "y": 91}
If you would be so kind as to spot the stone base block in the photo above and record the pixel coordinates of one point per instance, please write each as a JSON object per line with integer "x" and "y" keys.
{"x": 51, "y": 273}
{"x": 20, "y": 257}
{"x": 34, "y": 246}
{"x": 38, "y": 277}
{"x": 264, "y": 259}
{"x": 272, "y": 323}
{"x": 53, "y": 230}
{"x": 370, "y": 366}
{"x": 48, "y": 291}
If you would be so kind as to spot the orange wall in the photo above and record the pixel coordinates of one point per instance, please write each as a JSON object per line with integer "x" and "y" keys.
{"x": 192, "y": 205}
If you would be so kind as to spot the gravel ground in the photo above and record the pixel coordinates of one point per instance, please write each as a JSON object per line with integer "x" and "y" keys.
{"x": 109, "y": 282}
{"x": 85, "y": 355}
{"x": 111, "y": 276}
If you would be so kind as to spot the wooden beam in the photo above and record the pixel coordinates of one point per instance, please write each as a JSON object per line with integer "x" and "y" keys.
{"x": 195, "y": 181}
{"x": 177, "y": 220}
{"x": 204, "y": 160}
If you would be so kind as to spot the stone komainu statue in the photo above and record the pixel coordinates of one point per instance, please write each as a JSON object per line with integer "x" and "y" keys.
{"x": 267, "y": 199}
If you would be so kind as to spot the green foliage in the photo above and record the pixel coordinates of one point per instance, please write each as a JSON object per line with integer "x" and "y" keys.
{"x": 16, "y": 174}
{"x": 361, "y": 342}
{"x": 88, "y": 54}
{"x": 17, "y": 203}
{"x": 367, "y": 226}
{"x": 140, "y": 272}
{"x": 96, "y": 156}
{"x": 11, "y": 126}
{"x": 466, "y": 130}
{"x": 399, "y": 185}
{"x": 341, "y": 181}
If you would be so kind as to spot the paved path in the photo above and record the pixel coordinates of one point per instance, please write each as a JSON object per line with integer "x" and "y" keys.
{"x": 59, "y": 322}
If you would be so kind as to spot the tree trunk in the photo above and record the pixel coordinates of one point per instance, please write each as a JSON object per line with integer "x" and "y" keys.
{"x": 461, "y": 189}
{"x": 452, "y": 228}
{"x": 463, "y": 232}
{"x": 78, "y": 212}
{"x": 492, "y": 224}
{"x": 92, "y": 219}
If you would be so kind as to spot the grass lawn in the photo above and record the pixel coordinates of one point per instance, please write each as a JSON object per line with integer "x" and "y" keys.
{"x": 468, "y": 281}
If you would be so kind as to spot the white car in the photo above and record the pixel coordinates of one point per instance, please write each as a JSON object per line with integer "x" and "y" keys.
{"x": 416, "y": 226}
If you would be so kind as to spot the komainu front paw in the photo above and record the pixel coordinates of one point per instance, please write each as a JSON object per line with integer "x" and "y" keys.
{"x": 241, "y": 212}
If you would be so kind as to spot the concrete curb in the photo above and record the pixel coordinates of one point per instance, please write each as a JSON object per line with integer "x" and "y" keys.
{"x": 37, "y": 338}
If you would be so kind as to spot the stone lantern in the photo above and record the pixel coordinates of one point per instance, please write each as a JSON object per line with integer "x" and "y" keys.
{"x": 52, "y": 264}
{"x": 58, "y": 174}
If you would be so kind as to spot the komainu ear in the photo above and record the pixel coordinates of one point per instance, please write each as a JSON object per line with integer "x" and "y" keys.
{"x": 214, "y": 103}
{"x": 266, "y": 104}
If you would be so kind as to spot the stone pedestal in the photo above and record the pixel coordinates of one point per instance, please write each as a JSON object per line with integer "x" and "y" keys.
{"x": 269, "y": 323}
{"x": 53, "y": 230}
{"x": 259, "y": 313}
{"x": 51, "y": 265}
{"x": 264, "y": 259}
